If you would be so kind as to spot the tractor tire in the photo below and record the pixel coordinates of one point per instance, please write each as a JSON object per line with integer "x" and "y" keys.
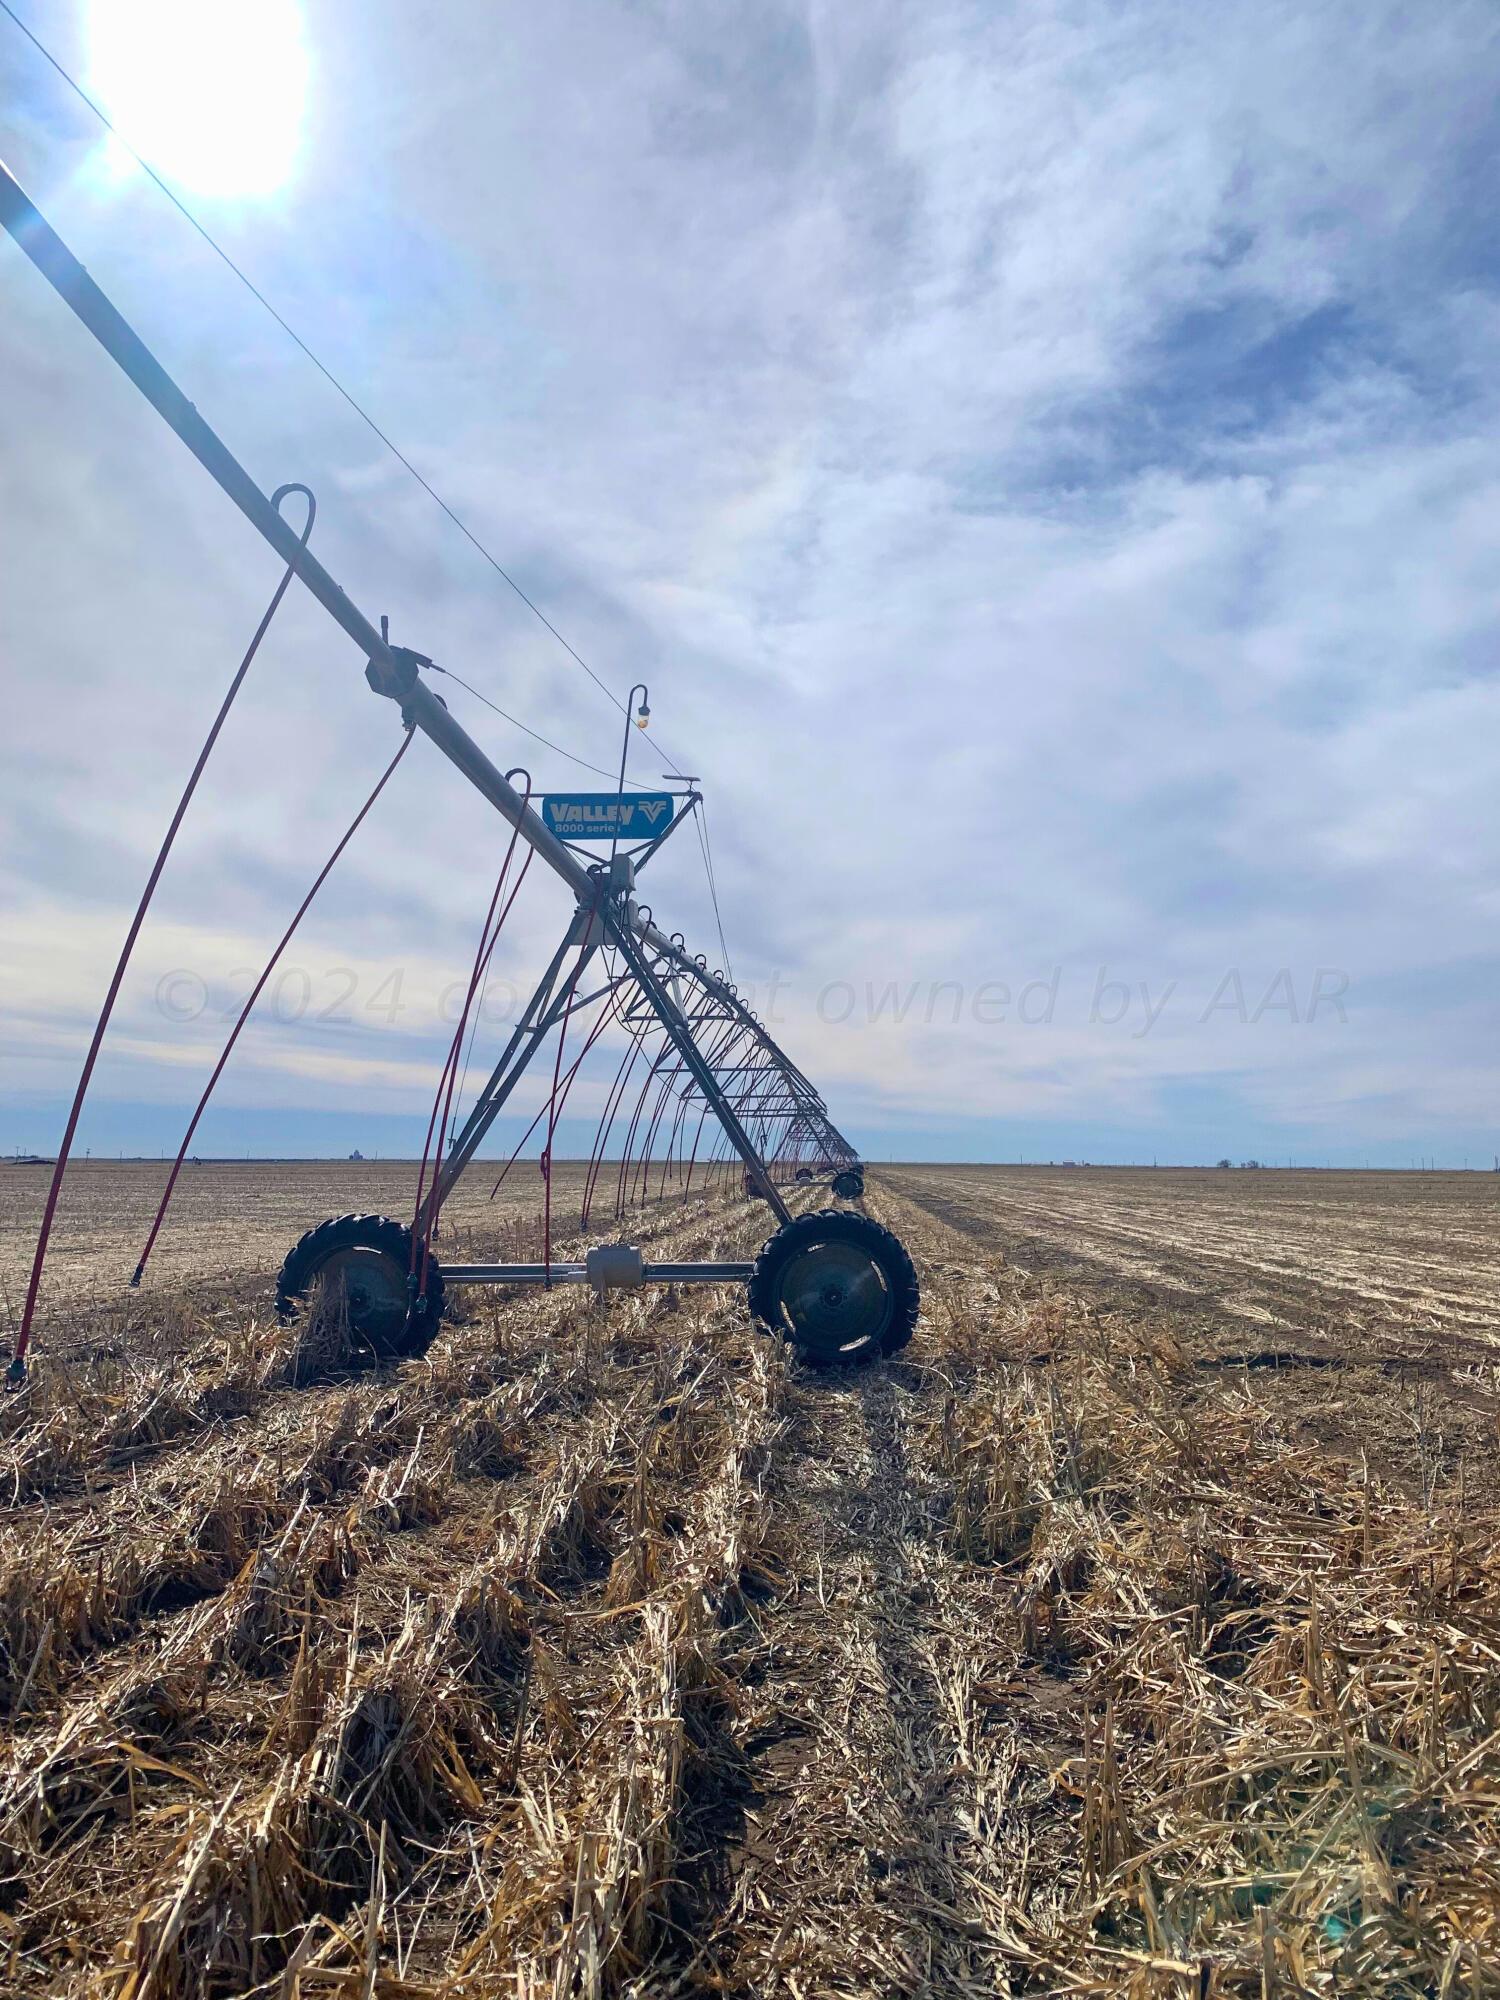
{"x": 838, "y": 1287}
{"x": 360, "y": 1263}
{"x": 849, "y": 1185}
{"x": 803, "y": 1174}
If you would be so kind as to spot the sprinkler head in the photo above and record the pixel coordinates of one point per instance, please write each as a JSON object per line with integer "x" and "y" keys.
{"x": 15, "y": 1375}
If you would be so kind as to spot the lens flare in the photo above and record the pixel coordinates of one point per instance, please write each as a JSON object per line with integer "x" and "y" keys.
{"x": 211, "y": 92}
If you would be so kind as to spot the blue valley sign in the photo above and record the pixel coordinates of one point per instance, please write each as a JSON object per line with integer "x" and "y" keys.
{"x": 608, "y": 815}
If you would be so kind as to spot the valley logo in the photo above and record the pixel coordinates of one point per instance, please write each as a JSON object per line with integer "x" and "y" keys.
{"x": 608, "y": 815}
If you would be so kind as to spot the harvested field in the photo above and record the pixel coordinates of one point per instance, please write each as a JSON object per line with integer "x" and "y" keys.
{"x": 228, "y": 1220}
{"x": 610, "y": 1653}
{"x": 1384, "y": 1255}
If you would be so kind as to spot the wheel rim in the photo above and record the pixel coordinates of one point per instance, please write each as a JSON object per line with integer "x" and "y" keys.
{"x": 835, "y": 1297}
{"x": 368, "y": 1286}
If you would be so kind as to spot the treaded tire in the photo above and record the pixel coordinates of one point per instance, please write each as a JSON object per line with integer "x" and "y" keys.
{"x": 803, "y": 1174}
{"x": 823, "y": 1338}
{"x": 381, "y": 1331}
{"x": 849, "y": 1185}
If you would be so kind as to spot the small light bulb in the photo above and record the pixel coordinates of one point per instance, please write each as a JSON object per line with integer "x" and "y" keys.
{"x": 642, "y": 716}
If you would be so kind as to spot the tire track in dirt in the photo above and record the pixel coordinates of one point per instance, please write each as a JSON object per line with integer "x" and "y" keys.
{"x": 626, "y": 1792}
{"x": 898, "y": 1750}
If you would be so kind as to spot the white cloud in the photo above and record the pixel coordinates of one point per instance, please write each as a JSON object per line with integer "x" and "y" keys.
{"x": 1038, "y": 457}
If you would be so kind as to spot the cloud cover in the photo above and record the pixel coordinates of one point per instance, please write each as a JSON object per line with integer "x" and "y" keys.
{"x": 1040, "y": 457}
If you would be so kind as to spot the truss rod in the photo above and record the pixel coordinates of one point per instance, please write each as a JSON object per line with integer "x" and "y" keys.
{"x": 655, "y": 960}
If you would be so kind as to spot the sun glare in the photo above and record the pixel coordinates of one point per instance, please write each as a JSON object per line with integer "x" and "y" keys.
{"x": 209, "y": 91}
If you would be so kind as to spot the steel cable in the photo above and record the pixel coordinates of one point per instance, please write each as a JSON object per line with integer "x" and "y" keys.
{"x": 334, "y": 383}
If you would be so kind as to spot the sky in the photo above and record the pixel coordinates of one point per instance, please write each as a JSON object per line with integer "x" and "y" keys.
{"x": 1040, "y": 458}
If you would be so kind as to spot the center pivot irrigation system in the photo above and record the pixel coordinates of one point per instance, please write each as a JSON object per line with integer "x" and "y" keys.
{"x": 834, "y": 1283}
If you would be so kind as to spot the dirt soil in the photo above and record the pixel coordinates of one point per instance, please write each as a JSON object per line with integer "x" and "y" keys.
{"x": 230, "y": 1220}
{"x": 1135, "y": 1631}
{"x": 1345, "y": 1254}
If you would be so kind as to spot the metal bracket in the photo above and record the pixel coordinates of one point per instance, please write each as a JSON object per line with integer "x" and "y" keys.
{"x": 395, "y": 675}
{"x": 609, "y": 1265}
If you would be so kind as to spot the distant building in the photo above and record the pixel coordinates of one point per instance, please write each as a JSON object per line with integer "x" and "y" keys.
{"x": 356, "y": 1154}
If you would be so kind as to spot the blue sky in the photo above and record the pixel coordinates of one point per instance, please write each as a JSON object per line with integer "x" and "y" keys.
{"x": 1041, "y": 458}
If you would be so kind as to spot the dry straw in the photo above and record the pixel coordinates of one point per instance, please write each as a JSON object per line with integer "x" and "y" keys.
{"x": 609, "y": 1655}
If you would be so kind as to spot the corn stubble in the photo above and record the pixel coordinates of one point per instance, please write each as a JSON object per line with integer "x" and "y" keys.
{"x": 610, "y": 1654}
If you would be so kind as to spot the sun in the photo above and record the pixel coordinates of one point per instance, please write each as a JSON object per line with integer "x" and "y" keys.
{"x": 211, "y": 92}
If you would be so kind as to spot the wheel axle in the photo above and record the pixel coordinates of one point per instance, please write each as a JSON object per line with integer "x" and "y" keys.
{"x": 604, "y": 1274}
{"x": 833, "y": 1283}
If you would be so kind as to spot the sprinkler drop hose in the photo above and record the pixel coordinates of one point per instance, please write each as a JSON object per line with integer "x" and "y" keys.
{"x": 15, "y": 1375}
